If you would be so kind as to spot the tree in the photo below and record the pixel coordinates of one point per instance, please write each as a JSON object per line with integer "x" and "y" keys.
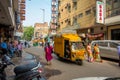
{"x": 28, "y": 33}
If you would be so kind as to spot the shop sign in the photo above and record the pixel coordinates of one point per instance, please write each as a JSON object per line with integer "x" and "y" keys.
{"x": 95, "y": 35}
{"x": 99, "y": 12}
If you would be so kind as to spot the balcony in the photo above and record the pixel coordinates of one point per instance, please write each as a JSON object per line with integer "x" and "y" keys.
{"x": 7, "y": 13}
{"x": 22, "y": 6}
{"x": 22, "y": 11}
{"x": 22, "y": 17}
{"x": 53, "y": 3}
{"x": 22, "y": 1}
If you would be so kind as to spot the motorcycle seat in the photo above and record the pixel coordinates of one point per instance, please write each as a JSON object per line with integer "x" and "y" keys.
{"x": 25, "y": 67}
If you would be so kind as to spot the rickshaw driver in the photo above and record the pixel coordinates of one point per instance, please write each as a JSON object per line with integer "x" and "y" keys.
{"x": 67, "y": 51}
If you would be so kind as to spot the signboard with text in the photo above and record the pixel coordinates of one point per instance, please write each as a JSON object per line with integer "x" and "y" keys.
{"x": 99, "y": 12}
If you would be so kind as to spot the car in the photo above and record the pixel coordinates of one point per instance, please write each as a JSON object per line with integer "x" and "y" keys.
{"x": 98, "y": 78}
{"x": 108, "y": 48}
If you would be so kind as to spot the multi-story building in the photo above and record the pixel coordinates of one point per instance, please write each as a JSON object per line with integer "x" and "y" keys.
{"x": 8, "y": 19}
{"x": 40, "y": 30}
{"x": 112, "y": 19}
{"x": 20, "y": 17}
{"x": 53, "y": 22}
{"x": 83, "y": 14}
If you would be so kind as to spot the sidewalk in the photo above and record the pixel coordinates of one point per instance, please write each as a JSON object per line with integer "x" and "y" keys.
{"x": 38, "y": 52}
{"x": 17, "y": 61}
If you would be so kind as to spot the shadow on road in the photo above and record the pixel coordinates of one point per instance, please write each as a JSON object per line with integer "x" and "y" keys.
{"x": 51, "y": 72}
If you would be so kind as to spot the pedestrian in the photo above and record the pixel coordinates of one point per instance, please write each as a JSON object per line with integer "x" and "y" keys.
{"x": 97, "y": 53}
{"x": 48, "y": 53}
{"x": 4, "y": 46}
{"x": 25, "y": 43}
{"x": 89, "y": 51}
{"x": 11, "y": 50}
{"x": 118, "y": 48}
{"x": 19, "y": 49}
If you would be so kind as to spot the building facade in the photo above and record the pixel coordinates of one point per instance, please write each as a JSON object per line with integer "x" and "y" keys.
{"x": 83, "y": 14}
{"x": 40, "y": 30}
{"x": 9, "y": 19}
{"x": 112, "y": 19}
{"x": 20, "y": 17}
{"x": 53, "y": 23}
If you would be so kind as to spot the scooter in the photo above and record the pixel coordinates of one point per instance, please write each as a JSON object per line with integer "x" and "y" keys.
{"x": 29, "y": 71}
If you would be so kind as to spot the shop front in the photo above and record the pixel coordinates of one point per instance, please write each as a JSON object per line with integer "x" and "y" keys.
{"x": 93, "y": 33}
{"x": 6, "y": 33}
{"x": 114, "y": 32}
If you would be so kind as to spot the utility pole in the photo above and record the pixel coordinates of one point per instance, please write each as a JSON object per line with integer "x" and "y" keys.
{"x": 43, "y": 15}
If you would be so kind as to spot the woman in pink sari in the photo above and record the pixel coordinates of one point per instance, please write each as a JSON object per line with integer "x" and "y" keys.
{"x": 48, "y": 53}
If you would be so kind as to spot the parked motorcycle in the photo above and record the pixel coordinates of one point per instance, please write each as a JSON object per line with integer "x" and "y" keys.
{"x": 29, "y": 71}
{"x": 4, "y": 62}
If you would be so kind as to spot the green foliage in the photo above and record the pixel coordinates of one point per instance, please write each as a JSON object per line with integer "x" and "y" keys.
{"x": 28, "y": 33}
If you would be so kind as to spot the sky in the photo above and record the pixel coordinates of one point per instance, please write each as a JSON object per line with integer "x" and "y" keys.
{"x": 34, "y": 14}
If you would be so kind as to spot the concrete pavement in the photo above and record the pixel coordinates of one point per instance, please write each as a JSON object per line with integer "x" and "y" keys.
{"x": 18, "y": 61}
{"x": 27, "y": 56}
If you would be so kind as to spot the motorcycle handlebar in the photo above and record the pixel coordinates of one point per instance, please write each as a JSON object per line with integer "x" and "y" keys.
{"x": 6, "y": 61}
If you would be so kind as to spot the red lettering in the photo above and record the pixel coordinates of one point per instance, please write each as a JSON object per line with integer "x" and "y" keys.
{"x": 100, "y": 18}
{"x": 100, "y": 14}
{"x": 100, "y": 6}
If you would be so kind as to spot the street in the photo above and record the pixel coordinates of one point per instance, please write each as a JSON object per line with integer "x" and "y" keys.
{"x": 66, "y": 70}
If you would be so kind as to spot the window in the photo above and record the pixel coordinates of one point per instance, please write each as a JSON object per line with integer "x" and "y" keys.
{"x": 80, "y": 15}
{"x": 103, "y": 44}
{"x": 113, "y": 45}
{"x": 112, "y": 8}
{"x": 101, "y": 28}
{"x": 69, "y": 7}
{"x": 115, "y": 34}
{"x": 75, "y": 5}
{"x": 108, "y": 5}
{"x": 74, "y": 20}
{"x": 68, "y": 22}
{"x": 88, "y": 12}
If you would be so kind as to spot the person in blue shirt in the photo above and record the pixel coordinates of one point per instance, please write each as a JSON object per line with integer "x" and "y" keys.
{"x": 4, "y": 46}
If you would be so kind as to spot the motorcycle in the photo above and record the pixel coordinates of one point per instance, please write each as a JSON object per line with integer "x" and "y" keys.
{"x": 29, "y": 71}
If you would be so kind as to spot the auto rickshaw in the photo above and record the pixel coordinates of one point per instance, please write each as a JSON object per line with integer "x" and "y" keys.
{"x": 70, "y": 47}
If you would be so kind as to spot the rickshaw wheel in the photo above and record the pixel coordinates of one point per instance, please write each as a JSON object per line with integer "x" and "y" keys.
{"x": 79, "y": 61}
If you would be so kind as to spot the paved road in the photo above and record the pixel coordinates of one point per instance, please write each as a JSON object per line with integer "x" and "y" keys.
{"x": 66, "y": 70}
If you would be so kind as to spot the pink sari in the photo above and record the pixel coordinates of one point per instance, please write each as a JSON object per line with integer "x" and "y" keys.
{"x": 48, "y": 55}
